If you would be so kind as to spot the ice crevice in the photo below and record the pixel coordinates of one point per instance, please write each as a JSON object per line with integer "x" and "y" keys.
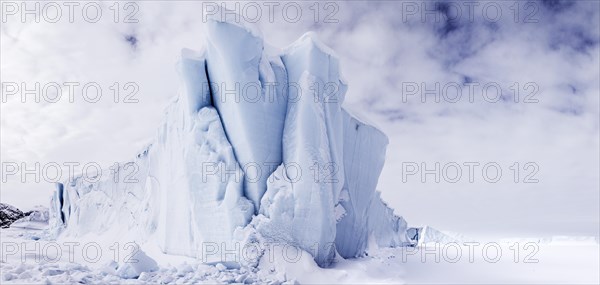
{"x": 224, "y": 165}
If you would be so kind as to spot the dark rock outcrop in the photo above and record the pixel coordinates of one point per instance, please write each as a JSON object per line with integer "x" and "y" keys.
{"x": 9, "y": 214}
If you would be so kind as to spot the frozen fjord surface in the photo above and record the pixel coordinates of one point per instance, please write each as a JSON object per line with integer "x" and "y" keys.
{"x": 574, "y": 264}
{"x": 243, "y": 109}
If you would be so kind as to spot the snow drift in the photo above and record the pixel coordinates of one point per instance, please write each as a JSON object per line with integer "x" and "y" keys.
{"x": 257, "y": 141}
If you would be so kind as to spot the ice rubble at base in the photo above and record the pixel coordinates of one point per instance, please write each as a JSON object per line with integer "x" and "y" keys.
{"x": 220, "y": 169}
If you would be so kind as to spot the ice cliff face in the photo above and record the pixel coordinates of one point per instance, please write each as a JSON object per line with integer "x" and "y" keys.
{"x": 243, "y": 83}
{"x": 254, "y": 138}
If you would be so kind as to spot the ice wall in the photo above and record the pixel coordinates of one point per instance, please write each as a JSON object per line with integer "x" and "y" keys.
{"x": 183, "y": 191}
{"x": 312, "y": 145}
{"x": 244, "y": 81}
{"x": 199, "y": 182}
{"x": 364, "y": 212}
{"x": 257, "y": 140}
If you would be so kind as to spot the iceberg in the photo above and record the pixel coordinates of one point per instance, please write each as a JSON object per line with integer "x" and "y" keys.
{"x": 256, "y": 146}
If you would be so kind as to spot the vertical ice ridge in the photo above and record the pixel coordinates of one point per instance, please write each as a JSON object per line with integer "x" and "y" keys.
{"x": 312, "y": 140}
{"x": 252, "y": 118}
{"x": 195, "y": 80}
{"x": 308, "y": 54}
{"x": 364, "y": 153}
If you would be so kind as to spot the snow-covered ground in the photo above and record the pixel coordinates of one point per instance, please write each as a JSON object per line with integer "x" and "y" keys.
{"x": 29, "y": 257}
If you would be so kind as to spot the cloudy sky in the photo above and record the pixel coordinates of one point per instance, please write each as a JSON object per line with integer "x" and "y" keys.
{"x": 527, "y": 72}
